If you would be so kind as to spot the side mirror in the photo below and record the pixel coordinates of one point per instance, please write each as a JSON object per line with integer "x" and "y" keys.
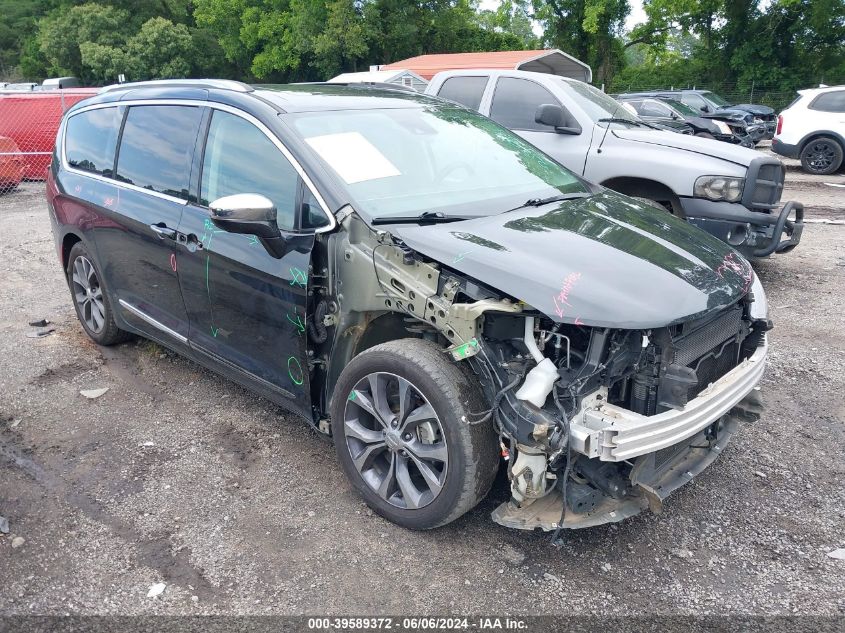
{"x": 248, "y": 213}
{"x": 704, "y": 108}
{"x": 555, "y": 116}
{"x": 675, "y": 116}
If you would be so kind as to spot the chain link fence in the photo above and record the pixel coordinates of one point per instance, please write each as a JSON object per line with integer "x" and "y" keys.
{"x": 29, "y": 122}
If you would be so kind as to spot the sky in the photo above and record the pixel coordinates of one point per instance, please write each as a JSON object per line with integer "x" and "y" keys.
{"x": 636, "y": 16}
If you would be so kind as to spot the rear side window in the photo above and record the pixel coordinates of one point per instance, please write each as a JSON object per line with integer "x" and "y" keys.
{"x": 515, "y": 103}
{"x": 239, "y": 158}
{"x": 91, "y": 138}
{"x": 829, "y": 102}
{"x": 465, "y": 90}
{"x": 157, "y": 146}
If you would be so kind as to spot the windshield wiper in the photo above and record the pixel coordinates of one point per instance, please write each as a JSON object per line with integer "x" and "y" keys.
{"x": 539, "y": 202}
{"x": 426, "y": 217}
{"x": 613, "y": 119}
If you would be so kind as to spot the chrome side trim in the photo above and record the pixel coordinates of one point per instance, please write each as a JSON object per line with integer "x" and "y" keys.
{"x": 156, "y": 324}
{"x": 614, "y": 434}
{"x": 201, "y": 104}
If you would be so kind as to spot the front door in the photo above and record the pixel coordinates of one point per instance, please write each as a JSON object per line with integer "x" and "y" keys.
{"x": 247, "y": 308}
{"x": 514, "y": 105}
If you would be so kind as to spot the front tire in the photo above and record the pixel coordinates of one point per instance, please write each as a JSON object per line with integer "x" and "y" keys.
{"x": 90, "y": 298}
{"x": 399, "y": 414}
{"x": 821, "y": 156}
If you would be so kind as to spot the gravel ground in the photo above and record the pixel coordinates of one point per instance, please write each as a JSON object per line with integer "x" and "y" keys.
{"x": 178, "y": 476}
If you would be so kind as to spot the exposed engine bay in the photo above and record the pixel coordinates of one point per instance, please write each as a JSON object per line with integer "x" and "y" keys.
{"x": 596, "y": 423}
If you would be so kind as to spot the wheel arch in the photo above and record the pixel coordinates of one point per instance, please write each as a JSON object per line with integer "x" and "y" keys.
{"x": 359, "y": 331}
{"x": 818, "y": 134}
{"x": 68, "y": 242}
{"x": 644, "y": 188}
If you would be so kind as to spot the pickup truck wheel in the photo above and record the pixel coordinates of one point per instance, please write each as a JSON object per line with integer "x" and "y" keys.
{"x": 821, "y": 155}
{"x": 399, "y": 413}
{"x": 92, "y": 303}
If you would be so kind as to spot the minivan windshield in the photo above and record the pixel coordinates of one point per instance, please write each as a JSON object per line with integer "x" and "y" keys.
{"x": 439, "y": 159}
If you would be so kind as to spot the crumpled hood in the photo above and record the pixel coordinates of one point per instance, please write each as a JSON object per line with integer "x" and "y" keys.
{"x": 753, "y": 108}
{"x": 725, "y": 151}
{"x": 605, "y": 261}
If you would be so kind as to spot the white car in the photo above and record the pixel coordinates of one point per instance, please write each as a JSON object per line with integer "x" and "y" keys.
{"x": 812, "y": 128}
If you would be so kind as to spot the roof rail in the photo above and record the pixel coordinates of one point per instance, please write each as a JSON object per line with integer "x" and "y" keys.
{"x": 220, "y": 84}
{"x": 360, "y": 84}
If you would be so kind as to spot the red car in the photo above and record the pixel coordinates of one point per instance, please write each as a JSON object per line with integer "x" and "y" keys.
{"x": 12, "y": 165}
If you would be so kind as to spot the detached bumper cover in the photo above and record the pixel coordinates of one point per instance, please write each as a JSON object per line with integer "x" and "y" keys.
{"x": 614, "y": 434}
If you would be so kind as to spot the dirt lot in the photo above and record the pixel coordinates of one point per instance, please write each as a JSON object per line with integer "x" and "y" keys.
{"x": 177, "y": 476}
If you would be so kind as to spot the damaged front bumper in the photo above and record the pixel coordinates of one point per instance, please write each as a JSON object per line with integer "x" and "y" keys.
{"x": 664, "y": 451}
{"x": 615, "y": 434}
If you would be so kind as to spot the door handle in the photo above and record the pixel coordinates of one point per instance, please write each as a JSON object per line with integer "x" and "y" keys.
{"x": 163, "y": 231}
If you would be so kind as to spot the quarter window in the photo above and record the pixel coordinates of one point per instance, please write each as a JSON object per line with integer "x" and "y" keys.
{"x": 515, "y": 103}
{"x": 157, "y": 146}
{"x": 465, "y": 90}
{"x": 91, "y": 138}
{"x": 829, "y": 102}
{"x": 239, "y": 158}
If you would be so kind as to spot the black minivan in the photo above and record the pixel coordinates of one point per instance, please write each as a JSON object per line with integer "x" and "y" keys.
{"x": 418, "y": 282}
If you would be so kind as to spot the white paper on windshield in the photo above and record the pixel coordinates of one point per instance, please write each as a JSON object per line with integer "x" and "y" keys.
{"x": 353, "y": 157}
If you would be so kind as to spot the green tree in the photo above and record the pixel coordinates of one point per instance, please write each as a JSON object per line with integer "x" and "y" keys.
{"x": 588, "y": 29}
{"x": 511, "y": 17}
{"x": 160, "y": 49}
{"x": 342, "y": 44}
{"x": 63, "y": 30}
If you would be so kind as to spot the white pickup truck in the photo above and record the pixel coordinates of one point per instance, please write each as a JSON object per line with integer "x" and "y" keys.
{"x": 729, "y": 191}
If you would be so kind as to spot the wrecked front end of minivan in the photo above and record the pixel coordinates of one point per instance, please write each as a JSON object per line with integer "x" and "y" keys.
{"x": 618, "y": 350}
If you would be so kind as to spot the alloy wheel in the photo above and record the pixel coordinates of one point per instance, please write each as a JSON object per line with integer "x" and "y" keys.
{"x": 821, "y": 155}
{"x": 396, "y": 440}
{"x": 88, "y": 294}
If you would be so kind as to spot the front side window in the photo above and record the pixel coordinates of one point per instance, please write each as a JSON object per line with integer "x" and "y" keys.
{"x": 464, "y": 90}
{"x": 596, "y": 104}
{"x": 829, "y": 102}
{"x": 712, "y": 97}
{"x": 693, "y": 100}
{"x": 651, "y": 107}
{"x": 240, "y": 158}
{"x": 91, "y": 139}
{"x": 681, "y": 108}
{"x": 515, "y": 103}
{"x": 157, "y": 147}
{"x": 405, "y": 161}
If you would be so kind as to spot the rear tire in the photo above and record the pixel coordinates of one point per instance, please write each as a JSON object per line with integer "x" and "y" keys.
{"x": 822, "y": 156}
{"x": 91, "y": 298}
{"x": 420, "y": 465}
